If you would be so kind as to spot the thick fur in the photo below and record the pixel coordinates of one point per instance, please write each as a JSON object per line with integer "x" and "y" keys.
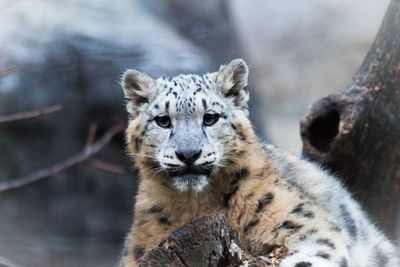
{"x": 268, "y": 197}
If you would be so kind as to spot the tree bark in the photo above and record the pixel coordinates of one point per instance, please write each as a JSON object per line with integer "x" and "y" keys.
{"x": 356, "y": 134}
{"x": 203, "y": 242}
{"x": 207, "y": 241}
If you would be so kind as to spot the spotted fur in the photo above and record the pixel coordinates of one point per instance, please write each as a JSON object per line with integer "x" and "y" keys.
{"x": 192, "y": 165}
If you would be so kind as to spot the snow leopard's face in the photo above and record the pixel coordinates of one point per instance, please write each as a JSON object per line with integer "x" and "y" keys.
{"x": 184, "y": 128}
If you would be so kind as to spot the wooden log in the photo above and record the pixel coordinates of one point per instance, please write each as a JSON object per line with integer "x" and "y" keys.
{"x": 207, "y": 241}
{"x": 356, "y": 134}
{"x": 203, "y": 242}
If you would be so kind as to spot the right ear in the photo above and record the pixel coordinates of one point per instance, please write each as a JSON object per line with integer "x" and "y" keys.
{"x": 137, "y": 88}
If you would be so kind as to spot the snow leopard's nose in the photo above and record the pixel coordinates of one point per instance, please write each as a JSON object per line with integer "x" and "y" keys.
{"x": 188, "y": 156}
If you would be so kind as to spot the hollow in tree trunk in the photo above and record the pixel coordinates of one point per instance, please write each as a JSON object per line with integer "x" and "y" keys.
{"x": 356, "y": 134}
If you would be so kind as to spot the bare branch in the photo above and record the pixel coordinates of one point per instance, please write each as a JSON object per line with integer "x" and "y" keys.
{"x": 31, "y": 114}
{"x": 105, "y": 166}
{"x": 91, "y": 134}
{"x": 7, "y": 262}
{"x": 7, "y": 71}
{"x": 61, "y": 166}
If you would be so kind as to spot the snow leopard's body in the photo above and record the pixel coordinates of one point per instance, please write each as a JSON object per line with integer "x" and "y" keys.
{"x": 197, "y": 154}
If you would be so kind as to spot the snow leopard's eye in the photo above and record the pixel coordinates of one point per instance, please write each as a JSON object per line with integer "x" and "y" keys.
{"x": 163, "y": 121}
{"x": 210, "y": 119}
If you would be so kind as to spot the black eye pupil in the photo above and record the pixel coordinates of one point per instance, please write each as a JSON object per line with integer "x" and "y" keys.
{"x": 163, "y": 121}
{"x": 210, "y": 119}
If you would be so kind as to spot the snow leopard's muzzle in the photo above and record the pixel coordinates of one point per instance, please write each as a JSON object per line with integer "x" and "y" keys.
{"x": 188, "y": 156}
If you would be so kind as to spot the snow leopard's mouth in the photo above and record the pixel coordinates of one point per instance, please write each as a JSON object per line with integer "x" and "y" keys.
{"x": 190, "y": 171}
{"x": 190, "y": 178}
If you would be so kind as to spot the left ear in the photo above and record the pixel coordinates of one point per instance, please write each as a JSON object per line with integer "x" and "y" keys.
{"x": 232, "y": 81}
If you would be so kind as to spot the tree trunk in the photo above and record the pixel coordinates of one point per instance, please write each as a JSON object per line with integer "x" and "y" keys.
{"x": 356, "y": 134}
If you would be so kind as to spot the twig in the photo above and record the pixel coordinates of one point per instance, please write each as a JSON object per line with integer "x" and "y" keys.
{"x": 105, "y": 166}
{"x": 7, "y": 262}
{"x": 7, "y": 71}
{"x": 91, "y": 134}
{"x": 31, "y": 114}
{"x": 61, "y": 166}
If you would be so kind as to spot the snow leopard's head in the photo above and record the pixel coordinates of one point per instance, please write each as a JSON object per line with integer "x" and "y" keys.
{"x": 183, "y": 129}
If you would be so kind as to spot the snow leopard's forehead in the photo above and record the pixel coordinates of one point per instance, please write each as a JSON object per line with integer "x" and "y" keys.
{"x": 188, "y": 94}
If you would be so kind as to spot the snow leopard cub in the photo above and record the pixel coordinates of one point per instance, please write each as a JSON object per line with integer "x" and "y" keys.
{"x": 197, "y": 154}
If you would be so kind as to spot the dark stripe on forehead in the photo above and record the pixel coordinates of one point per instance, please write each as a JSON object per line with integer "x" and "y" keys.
{"x": 167, "y": 106}
{"x": 217, "y": 104}
{"x": 204, "y": 104}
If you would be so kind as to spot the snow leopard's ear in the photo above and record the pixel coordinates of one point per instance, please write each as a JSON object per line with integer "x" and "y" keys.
{"x": 138, "y": 89}
{"x": 232, "y": 81}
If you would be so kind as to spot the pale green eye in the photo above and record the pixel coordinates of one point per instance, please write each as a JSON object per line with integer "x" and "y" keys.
{"x": 210, "y": 119}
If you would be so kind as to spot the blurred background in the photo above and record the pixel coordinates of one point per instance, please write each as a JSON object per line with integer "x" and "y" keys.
{"x": 72, "y": 52}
